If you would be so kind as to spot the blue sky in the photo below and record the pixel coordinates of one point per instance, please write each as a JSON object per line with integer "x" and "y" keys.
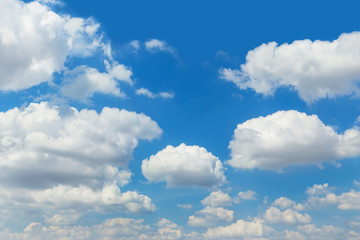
{"x": 179, "y": 120}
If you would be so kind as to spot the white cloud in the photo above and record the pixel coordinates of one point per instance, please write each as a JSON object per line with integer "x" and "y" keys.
{"x": 110, "y": 229}
{"x": 247, "y": 195}
{"x": 59, "y": 157}
{"x": 316, "y": 70}
{"x": 325, "y": 232}
{"x": 240, "y": 230}
{"x": 289, "y": 216}
{"x": 155, "y": 45}
{"x": 149, "y": 94}
{"x": 63, "y": 219}
{"x": 82, "y": 82}
{"x": 349, "y": 200}
{"x": 135, "y": 44}
{"x": 288, "y": 138}
{"x": 318, "y": 189}
{"x": 184, "y": 166}
{"x": 36, "y": 42}
{"x": 285, "y": 203}
{"x": 320, "y": 196}
{"x": 217, "y": 199}
{"x": 211, "y": 216}
{"x": 185, "y": 206}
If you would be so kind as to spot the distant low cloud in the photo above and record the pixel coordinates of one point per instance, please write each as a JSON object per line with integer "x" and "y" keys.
{"x": 147, "y": 93}
{"x": 256, "y": 229}
{"x": 210, "y": 216}
{"x": 110, "y": 229}
{"x": 288, "y": 138}
{"x": 184, "y": 166}
{"x": 315, "y": 69}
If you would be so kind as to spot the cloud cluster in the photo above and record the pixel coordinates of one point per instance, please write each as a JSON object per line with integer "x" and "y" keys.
{"x": 255, "y": 229}
{"x": 184, "y": 166}
{"x": 315, "y": 69}
{"x": 110, "y": 229}
{"x": 322, "y": 196}
{"x": 288, "y": 138}
{"x": 211, "y": 216}
{"x": 64, "y": 158}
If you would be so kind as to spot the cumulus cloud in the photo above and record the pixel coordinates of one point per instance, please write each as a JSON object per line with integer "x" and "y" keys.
{"x": 60, "y": 157}
{"x": 147, "y": 93}
{"x": 36, "y": 42}
{"x": 247, "y": 195}
{"x": 285, "y": 210}
{"x": 318, "y": 189}
{"x": 155, "y": 45}
{"x": 110, "y": 229}
{"x": 288, "y": 138}
{"x": 184, "y": 166}
{"x": 321, "y": 196}
{"x": 315, "y": 69}
{"x": 217, "y": 199}
{"x": 290, "y": 216}
{"x": 285, "y": 203}
{"x": 83, "y": 81}
{"x": 211, "y": 216}
{"x": 325, "y": 232}
{"x": 255, "y": 229}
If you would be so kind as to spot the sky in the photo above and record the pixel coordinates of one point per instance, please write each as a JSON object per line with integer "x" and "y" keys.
{"x": 179, "y": 120}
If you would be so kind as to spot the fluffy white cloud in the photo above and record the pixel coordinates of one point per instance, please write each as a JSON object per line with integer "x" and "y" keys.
{"x": 325, "y": 232}
{"x": 59, "y": 157}
{"x": 320, "y": 196}
{"x": 155, "y": 45}
{"x": 36, "y": 42}
{"x": 184, "y": 166}
{"x": 149, "y": 94}
{"x": 349, "y": 200}
{"x": 217, "y": 199}
{"x": 316, "y": 69}
{"x": 240, "y": 230}
{"x": 284, "y": 203}
{"x": 211, "y": 216}
{"x": 318, "y": 189}
{"x": 82, "y": 82}
{"x": 275, "y": 215}
{"x": 247, "y": 195}
{"x": 63, "y": 219}
{"x": 288, "y": 138}
{"x": 110, "y": 229}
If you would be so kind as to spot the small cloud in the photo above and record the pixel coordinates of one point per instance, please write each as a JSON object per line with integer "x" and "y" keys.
{"x": 222, "y": 55}
{"x": 155, "y": 45}
{"x": 135, "y": 44}
{"x": 149, "y": 94}
{"x": 185, "y": 206}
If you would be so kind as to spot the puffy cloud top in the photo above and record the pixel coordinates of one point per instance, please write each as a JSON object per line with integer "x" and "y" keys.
{"x": 184, "y": 166}
{"x": 287, "y": 138}
{"x": 35, "y": 42}
{"x": 316, "y": 69}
